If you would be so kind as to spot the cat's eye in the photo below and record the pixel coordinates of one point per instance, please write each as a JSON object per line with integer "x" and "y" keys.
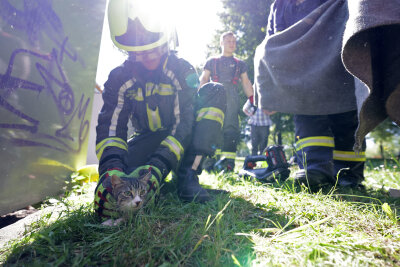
{"x": 127, "y": 194}
{"x": 142, "y": 192}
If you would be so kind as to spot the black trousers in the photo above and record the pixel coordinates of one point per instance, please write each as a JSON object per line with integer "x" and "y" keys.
{"x": 259, "y": 138}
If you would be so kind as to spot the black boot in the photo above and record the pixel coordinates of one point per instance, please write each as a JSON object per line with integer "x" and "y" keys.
{"x": 351, "y": 178}
{"x": 189, "y": 188}
{"x": 313, "y": 179}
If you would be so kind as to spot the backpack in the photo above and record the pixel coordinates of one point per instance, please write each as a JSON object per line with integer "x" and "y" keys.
{"x": 215, "y": 77}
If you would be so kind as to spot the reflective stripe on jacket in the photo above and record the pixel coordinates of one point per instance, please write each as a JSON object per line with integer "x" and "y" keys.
{"x": 153, "y": 100}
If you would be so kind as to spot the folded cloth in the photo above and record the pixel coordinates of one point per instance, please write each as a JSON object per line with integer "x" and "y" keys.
{"x": 299, "y": 70}
{"x": 371, "y": 52}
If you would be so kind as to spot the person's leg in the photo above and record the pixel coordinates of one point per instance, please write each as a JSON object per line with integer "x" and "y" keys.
{"x": 263, "y": 135}
{"x": 314, "y": 149}
{"x": 228, "y": 153}
{"x": 210, "y": 110}
{"x": 348, "y": 165}
{"x": 230, "y": 132}
{"x": 254, "y": 140}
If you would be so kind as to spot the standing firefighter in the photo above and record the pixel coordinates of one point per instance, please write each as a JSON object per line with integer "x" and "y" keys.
{"x": 175, "y": 125}
{"x": 303, "y": 56}
{"x": 229, "y": 70}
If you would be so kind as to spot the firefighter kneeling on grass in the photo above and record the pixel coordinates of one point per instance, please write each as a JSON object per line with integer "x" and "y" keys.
{"x": 175, "y": 123}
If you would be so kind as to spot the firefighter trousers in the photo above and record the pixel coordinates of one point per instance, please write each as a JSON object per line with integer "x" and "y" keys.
{"x": 324, "y": 144}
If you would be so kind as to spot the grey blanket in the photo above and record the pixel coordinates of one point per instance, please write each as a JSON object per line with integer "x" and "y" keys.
{"x": 371, "y": 52}
{"x": 306, "y": 68}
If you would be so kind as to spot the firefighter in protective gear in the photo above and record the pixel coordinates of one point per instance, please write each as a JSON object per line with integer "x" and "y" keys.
{"x": 229, "y": 70}
{"x": 324, "y": 143}
{"x": 175, "y": 124}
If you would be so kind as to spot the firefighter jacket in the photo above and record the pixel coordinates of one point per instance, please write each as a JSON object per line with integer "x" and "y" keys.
{"x": 159, "y": 100}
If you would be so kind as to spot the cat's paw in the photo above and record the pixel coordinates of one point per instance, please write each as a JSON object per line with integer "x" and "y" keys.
{"x": 112, "y": 222}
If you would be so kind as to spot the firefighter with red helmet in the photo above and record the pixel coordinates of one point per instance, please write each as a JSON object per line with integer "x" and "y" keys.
{"x": 175, "y": 123}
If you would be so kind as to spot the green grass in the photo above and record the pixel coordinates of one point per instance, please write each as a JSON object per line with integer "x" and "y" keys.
{"x": 253, "y": 225}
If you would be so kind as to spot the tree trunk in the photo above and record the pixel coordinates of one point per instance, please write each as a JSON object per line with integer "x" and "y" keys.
{"x": 279, "y": 138}
{"x": 381, "y": 150}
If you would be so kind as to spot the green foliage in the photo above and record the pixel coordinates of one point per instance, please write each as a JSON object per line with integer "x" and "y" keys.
{"x": 283, "y": 131}
{"x": 386, "y": 131}
{"x": 387, "y": 135}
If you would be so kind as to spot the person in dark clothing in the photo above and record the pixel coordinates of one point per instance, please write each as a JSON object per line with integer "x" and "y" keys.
{"x": 229, "y": 70}
{"x": 259, "y": 122}
{"x": 324, "y": 143}
{"x": 175, "y": 124}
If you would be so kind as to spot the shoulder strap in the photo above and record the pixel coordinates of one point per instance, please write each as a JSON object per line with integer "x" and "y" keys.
{"x": 214, "y": 69}
{"x": 237, "y": 72}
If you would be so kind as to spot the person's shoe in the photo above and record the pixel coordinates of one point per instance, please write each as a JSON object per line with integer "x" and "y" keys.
{"x": 224, "y": 164}
{"x": 190, "y": 190}
{"x": 313, "y": 178}
{"x": 348, "y": 178}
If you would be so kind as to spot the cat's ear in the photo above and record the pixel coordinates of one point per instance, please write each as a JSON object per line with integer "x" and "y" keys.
{"x": 146, "y": 177}
{"x": 115, "y": 180}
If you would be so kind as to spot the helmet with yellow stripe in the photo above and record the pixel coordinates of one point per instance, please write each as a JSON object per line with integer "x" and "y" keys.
{"x": 136, "y": 27}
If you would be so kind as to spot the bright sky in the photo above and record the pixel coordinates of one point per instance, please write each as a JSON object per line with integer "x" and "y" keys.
{"x": 196, "y": 21}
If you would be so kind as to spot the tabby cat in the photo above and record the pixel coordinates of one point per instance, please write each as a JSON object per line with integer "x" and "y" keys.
{"x": 130, "y": 195}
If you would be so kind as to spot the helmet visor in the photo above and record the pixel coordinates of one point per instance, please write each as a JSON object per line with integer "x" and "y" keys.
{"x": 137, "y": 35}
{"x": 135, "y": 25}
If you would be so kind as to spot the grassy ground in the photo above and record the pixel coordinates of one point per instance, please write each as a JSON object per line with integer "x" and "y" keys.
{"x": 253, "y": 224}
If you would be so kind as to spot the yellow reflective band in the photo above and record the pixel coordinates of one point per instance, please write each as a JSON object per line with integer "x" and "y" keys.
{"x": 154, "y": 118}
{"x": 174, "y": 146}
{"x": 171, "y": 75}
{"x": 211, "y": 113}
{"x": 121, "y": 98}
{"x": 161, "y": 89}
{"x": 348, "y": 155}
{"x": 165, "y": 64}
{"x": 139, "y": 95}
{"x": 152, "y": 89}
{"x": 326, "y": 141}
{"x": 160, "y": 42}
{"x": 177, "y": 114}
{"x": 218, "y": 151}
{"x": 164, "y": 89}
{"x": 228, "y": 155}
{"x": 110, "y": 142}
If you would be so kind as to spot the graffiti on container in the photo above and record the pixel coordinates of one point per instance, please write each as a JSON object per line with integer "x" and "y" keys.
{"x": 43, "y": 76}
